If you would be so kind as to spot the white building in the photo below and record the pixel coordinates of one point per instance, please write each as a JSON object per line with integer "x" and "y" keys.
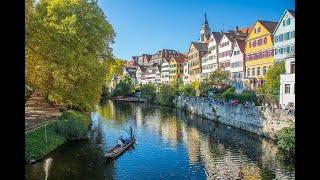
{"x": 287, "y": 84}
{"x": 207, "y": 66}
{"x": 284, "y": 50}
{"x": 140, "y": 74}
{"x": 238, "y": 65}
{"x": 211, "y": 64}
{"x": 165, "y": 71}
{"x": 284, "y": 36}
{"x": 186, "y": 79}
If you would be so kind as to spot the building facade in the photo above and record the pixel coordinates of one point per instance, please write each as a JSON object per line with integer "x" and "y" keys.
{"x": 259, "y": 53}
{"x": 165, "y": 71}
{"x": 237, "y": 69}
{"x": 196, "y": 51}
{"x": 287, "y": 84}
{"x": 176, "y": 67}
{"x": 284, "y": 37}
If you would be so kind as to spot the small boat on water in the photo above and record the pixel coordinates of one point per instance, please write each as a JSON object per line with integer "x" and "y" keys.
{"x": 118, "y": 149}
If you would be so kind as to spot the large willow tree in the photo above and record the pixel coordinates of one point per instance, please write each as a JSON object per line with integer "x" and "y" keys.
{"x": 67, "y": 49}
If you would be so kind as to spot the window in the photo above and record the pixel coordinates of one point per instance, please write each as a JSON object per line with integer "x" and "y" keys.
{"x": 254, "y": 43}
{"x": 249, "y": 44}
{"x": 281, "y": 51}
{"x": 259, "y": 42}
{"x": 259, "y": 29}
{"x": 288, "y": 21}
{"x": 288, "y": 35}
{"x": 276, "y": 38}
{"x": 284, "y": 23}
{"x": 270, "y": 52}
{"x": 275, "y": 51}
{"x": 264, "y": 70}
{"x": 258, "y": 71}
{"x": 253, "y": 72}
{"x": 248, "y": 72}
{"x": 287, "y": 88}
{"x": 264, "y": 55}
{"x": 281, "y": 37}
{"x": 265, "y": 40}
{"x": 260, "y": 55}
{"x": 288, "y": 49}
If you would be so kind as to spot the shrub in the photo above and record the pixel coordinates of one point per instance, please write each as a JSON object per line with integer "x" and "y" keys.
{"x": 187, "y": 90}
{"x": 204, "y": 88}
{"x": 165, "y": 95}
{"x": 148, "y": 92}
{"x": 73, "y": 125}
{"x": 286, "y": 140}
{"x": 228, "y": 95}
{"x": 249, "y": 96}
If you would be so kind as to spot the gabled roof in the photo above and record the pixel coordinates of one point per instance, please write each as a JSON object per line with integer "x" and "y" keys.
{"x": 269, "y": 25}
{"x": 143, "y": 68}
{"x": 246, "y": 30}
{"x": 179, "y": 59}
{"x": 241, "y": 44}
{"x": 217, "y": 36}
{"x": 200, "y": 46}
{"x": 290, "y": 11}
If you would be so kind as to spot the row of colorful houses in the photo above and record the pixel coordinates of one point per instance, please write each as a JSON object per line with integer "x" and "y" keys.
{"x": 246, "y": 54}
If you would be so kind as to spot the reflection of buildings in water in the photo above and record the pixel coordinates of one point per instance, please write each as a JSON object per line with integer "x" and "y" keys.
{"x": 169, "y": 131}
{"x": 139, "y": 116}
{"x": 193, "y": 144}
{"x": 151, "y": 121}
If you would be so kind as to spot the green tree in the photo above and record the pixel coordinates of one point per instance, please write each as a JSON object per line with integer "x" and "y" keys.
{"x": 67, "y": 42}
{"x": 272, "y": 86}
{"x": 165, "y": 95}
{"x": 148, "y": 91}
{"x": 218, "y": 78}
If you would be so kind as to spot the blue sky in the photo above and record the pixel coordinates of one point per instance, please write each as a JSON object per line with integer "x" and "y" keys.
{"x": 146, "y": 26}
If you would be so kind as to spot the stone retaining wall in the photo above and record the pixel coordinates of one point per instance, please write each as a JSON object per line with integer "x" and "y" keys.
{"x": 247, "y": 117}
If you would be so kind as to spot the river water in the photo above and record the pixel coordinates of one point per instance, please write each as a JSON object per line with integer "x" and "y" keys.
{"x": 171, "y": 144}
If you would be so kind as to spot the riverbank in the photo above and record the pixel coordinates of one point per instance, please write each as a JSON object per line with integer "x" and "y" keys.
{"x": 128, "y": 99}
{"x": 255, "y": 119}
{"x": 70, "y": 126}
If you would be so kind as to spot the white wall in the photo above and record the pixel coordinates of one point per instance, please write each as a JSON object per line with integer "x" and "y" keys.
{"x": 282, "y": 30}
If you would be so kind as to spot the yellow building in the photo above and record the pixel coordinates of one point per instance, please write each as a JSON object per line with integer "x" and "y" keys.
{"x": 176, "y": 68}
{"x": 259, "y": 53}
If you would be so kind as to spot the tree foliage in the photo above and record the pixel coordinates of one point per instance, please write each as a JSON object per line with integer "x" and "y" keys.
{"x": 272, "y": 86}
{"x": 66, "y": 43}
{"x": 124, "y": 88}
{"x": 148, "y": 92}
{"x": 165, "y": 95}
{"x": 286, "y": 140}
{"x": 218, "y": 78}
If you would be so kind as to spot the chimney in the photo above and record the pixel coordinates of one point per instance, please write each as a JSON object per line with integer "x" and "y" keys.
{"x": 221, "y": 32}
{"x": 237, "y": 30}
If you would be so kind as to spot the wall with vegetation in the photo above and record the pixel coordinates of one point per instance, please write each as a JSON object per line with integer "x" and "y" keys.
{"x": 250, "y": 118}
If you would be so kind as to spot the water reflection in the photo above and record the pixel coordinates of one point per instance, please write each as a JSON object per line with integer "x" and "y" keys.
{"x": 172, "y": 144}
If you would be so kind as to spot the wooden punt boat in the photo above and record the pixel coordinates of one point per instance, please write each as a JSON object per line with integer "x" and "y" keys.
{"x": 117, "y": 150}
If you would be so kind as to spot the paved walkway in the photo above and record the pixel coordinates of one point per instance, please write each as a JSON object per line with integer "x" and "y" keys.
{"x": 39, "y": 111}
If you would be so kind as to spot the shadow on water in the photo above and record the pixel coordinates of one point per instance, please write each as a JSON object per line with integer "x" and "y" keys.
{"x": 171, "y": 144}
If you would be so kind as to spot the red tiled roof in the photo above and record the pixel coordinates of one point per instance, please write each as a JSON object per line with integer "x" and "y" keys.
{"x": 179, "y": 59}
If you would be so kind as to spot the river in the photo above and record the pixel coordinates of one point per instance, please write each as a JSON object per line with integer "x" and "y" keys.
{"x": 171, "y": 144}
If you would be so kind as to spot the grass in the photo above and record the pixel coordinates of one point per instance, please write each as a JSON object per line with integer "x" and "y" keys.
{"x": 36, "y": 146}
{"x": 71, "y": 125}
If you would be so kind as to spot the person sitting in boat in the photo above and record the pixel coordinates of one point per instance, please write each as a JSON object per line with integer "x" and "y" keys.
{"x": 120, "y": 143}
{"x": 122, "y": 140}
